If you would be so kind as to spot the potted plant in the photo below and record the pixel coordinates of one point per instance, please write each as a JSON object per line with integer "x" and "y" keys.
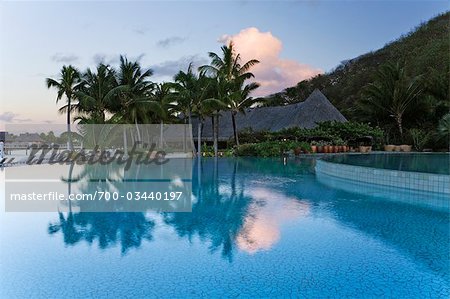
{"x": 339, "y": 144}
{"x": 405, "y": 148}
{"x": 314, "y": 147}
{"x": 327, "y": 148}
{"x": 320, "y": 147}
{"x": 389, "y": 148}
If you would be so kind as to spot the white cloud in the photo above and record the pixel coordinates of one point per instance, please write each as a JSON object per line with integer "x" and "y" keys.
{"x": 273, "y": 72}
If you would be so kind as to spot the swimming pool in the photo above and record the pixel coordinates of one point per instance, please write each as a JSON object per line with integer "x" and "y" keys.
{"x": 438, "y": 163}
{"x": 258, "y": 228}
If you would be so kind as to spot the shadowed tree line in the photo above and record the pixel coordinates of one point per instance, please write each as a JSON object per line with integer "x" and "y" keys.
{"x": 126, "y": 94}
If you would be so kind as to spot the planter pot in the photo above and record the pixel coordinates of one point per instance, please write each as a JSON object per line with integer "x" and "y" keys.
{"x": 405, "y": 148}
{"x": 397, "y": 148}
{"x": 389, "y": 148}
{"x": 327, "y": 149}
{"x": 320, "y": 149}
{"x": 335, "y": 148}
{"x": 297, "y": 151}
{"x": 313, "y": 148}
{"x": 365, "y": 149}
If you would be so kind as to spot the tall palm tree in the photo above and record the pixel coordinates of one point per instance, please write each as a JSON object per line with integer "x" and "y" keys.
{"x": 240, "y": 100}
{"x": 66, "y": 85}
{"x": 194, "y": 95}
{"x": 163, "y": 105}
{"x": 97, "y": 94}
{"x": 134, "y": 93}
{"x": 392, "y": 94}
{"x": 230, "y": 74}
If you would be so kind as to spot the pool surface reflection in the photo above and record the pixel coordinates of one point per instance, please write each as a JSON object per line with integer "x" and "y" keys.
{"x": 258, "y": 228}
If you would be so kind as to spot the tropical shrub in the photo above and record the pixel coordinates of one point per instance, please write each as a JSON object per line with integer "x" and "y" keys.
{"x": 419, "y": 138}
{"x": 339, "y": 132}
{"x": 271, "y": 148}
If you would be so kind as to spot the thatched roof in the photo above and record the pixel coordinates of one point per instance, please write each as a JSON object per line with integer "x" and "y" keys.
{"x": 316, "y": 108}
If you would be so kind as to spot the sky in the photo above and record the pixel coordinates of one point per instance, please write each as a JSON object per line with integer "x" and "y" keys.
{"x": 294, "y": 40}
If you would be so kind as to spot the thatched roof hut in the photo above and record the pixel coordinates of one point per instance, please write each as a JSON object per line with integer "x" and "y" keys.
{"x": 316, "y": 108}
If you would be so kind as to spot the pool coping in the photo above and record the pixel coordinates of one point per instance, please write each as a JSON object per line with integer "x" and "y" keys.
{"x": 419, "y": 181}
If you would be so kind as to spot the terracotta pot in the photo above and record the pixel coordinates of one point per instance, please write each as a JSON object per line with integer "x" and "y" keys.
{"x": 405, "y": 148}
{"x": 297, "y": 151}
{"x": 314, "y": 148}
{"x": 335, "y": 148}
{"x": 397, "y": 148}
{"x": 389, "y": 147}
{"x": 327, "y": 149}
{"x": 365, "y": 149}
{"x": 320, "y": 149}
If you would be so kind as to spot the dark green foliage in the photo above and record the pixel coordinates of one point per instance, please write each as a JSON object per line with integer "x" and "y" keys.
{"x": 271, "y": 148}
{"x": 422, "y": 52}
{"x": 335, "y": 132}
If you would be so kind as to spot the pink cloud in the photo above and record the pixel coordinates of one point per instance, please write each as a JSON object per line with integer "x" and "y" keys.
{"x": 273, "y": 72}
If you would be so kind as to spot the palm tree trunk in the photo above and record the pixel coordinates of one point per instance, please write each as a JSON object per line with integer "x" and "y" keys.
{"x": 216, "y": 133}
{"x": 125, "y": 142}
{"x": 398, "y": 118}
{"x": 69, "y": 142}
{"x": 199, "y": 137}
{"x": 137, "y": 129}
{"x": 161, "y": 134}
{"x": 236, "y": 137}
{"x": 191, "y": 135}
{"x": 213, "y": 127}
{"x": 184, "y": 135}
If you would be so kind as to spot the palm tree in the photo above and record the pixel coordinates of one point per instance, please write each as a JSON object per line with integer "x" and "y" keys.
{"x": 392, "y": 94}
{"x": 230, "y": 75}
{"x": 204, "y": 104}
{"x": 97, "y": 94}
{"x": 66, "y": 85}
{"x": 184, "y": 93}
{"x": 163, "y": 105}
{"x": 194, "y": 94}
{"x": 134, "y": 93}
{"x": 240, "y": 100}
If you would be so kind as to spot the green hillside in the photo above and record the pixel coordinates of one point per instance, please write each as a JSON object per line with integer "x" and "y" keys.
{"x": 425, "y": 50}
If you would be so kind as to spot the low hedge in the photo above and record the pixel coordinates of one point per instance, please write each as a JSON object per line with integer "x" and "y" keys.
{"x": 335, "y": 132}
{"x": 271, "y": 148}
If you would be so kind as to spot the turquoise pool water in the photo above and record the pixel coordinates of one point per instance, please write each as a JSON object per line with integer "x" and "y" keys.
{"x": 258, "y": 228}
{"x": 417, "y": 162}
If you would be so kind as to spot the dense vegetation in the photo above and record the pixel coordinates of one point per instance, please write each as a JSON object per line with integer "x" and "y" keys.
{"x": 420, "y": 58}
{"x": 126, "y": 95}
{"x": 267, "y": 144}
{"x": 401, "y": 89}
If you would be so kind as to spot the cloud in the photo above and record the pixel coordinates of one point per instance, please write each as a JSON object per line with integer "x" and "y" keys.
{"x": 171, "y": 67}
{"x": 170, "y": 41}
{"x": 140, "y": 30}
{"x": 113, "y": 59}
{"x": 273, "y": 72}
{"x": 64, "y": 58}
{"x": 10, "y": 117}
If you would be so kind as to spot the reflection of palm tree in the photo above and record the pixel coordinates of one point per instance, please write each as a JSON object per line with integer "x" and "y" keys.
{"x": 108, "y": 229}
{"x": 215, "y": 216}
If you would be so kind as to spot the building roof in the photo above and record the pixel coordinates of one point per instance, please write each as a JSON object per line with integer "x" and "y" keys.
{"x": 316, "y": 108}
